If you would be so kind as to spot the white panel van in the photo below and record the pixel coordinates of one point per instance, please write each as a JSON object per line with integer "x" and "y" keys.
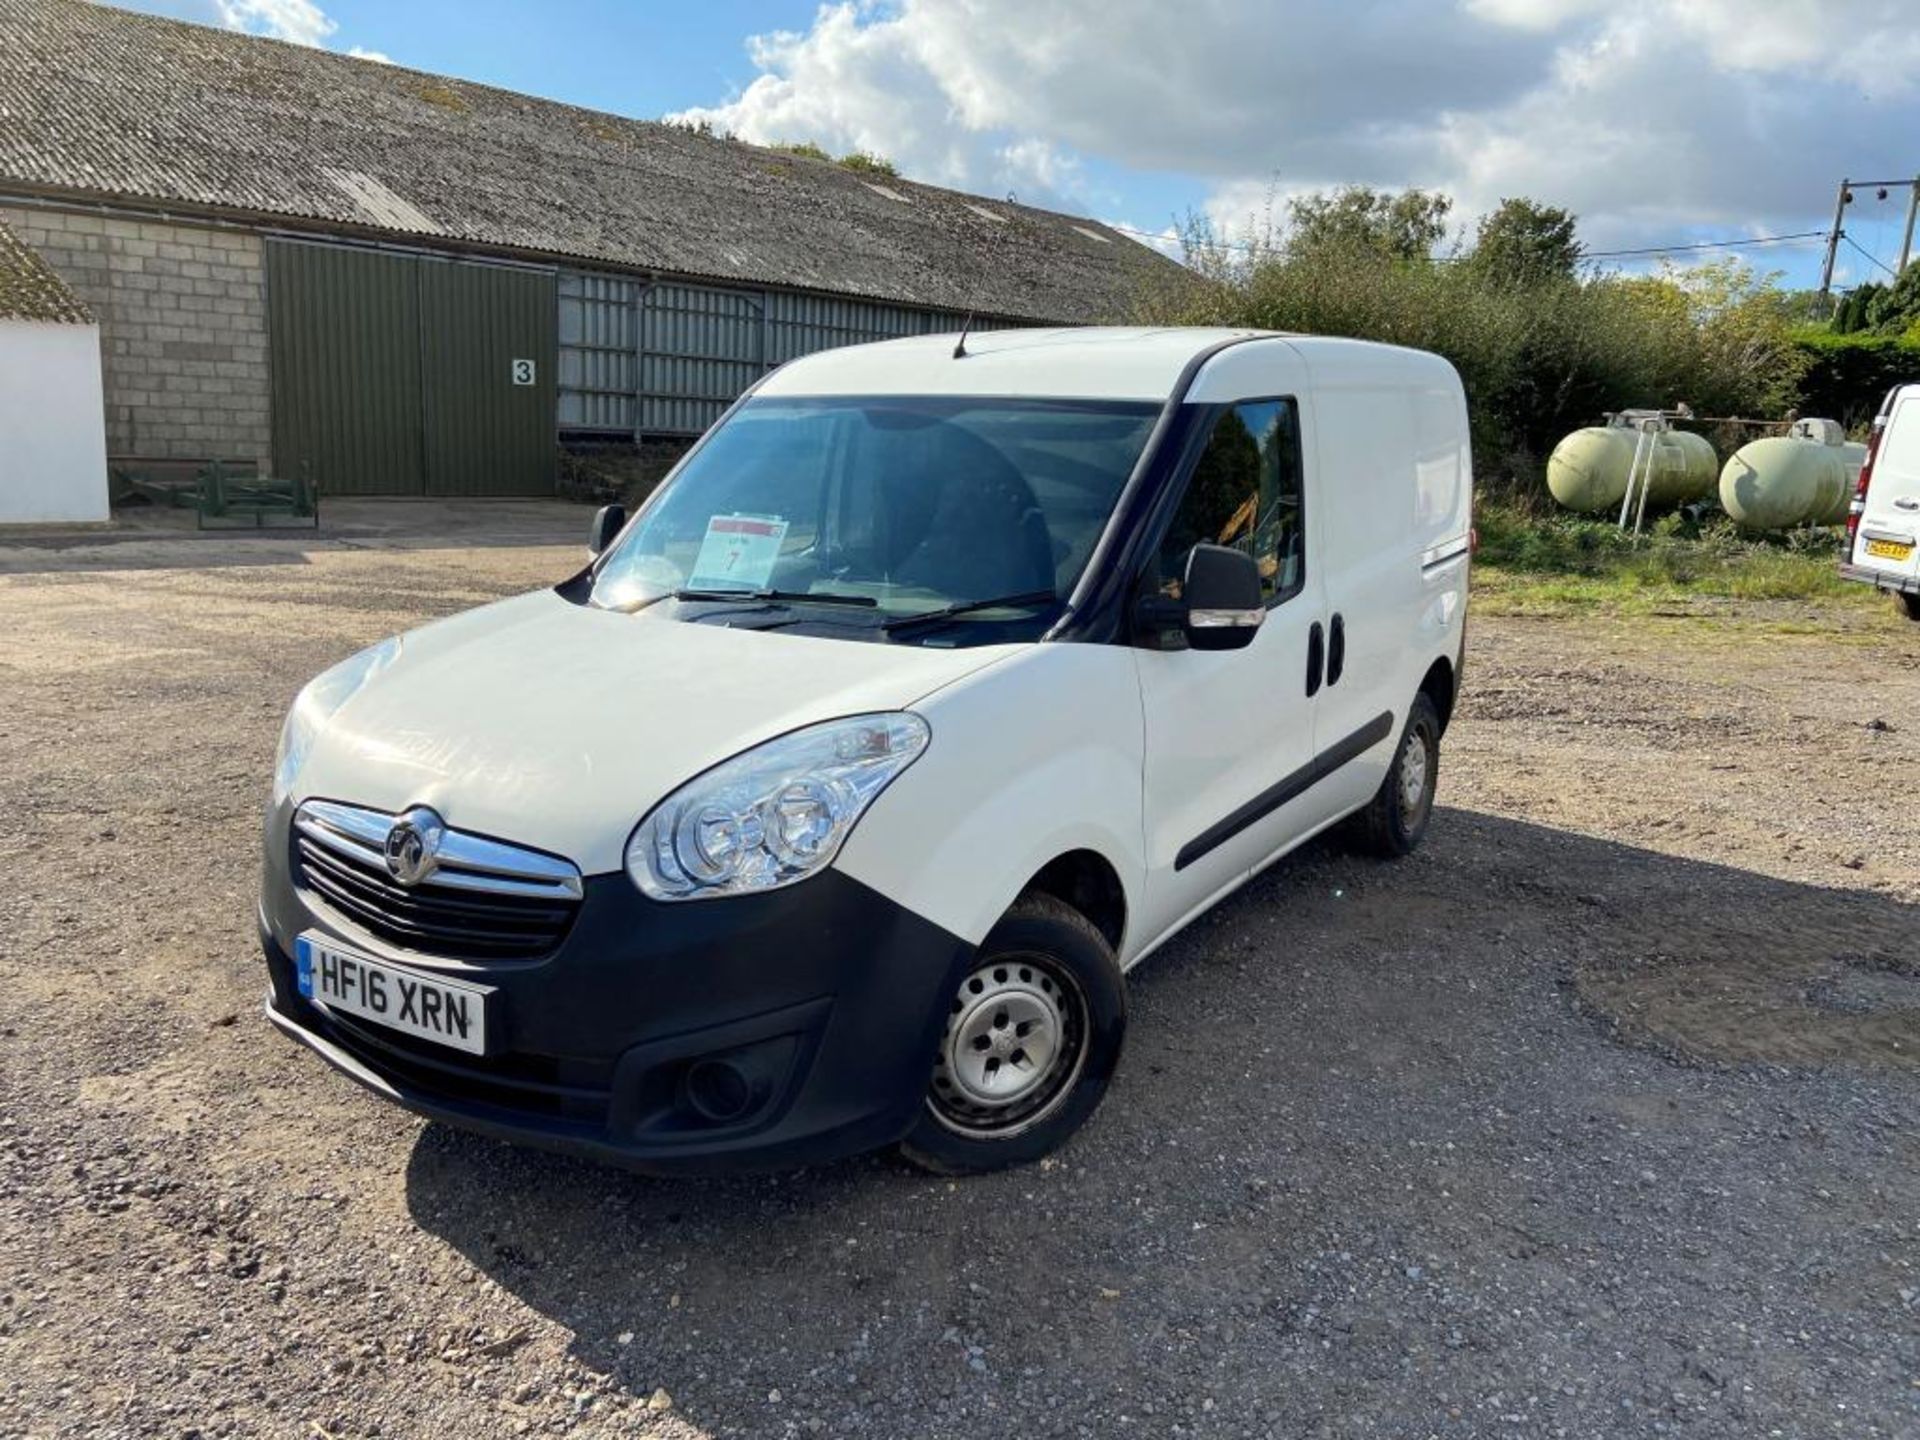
{"x": 1883, "y": 530}
{"x": 942, "y": 682}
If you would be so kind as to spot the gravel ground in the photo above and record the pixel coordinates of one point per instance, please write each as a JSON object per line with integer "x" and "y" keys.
{"x": 1595, "y": 1118}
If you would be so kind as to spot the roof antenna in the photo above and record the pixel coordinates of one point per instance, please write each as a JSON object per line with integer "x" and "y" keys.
{"x": 960, "y": 348}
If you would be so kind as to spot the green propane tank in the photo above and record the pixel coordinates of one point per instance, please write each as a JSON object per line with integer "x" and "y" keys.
{"x": 1684, "y": 469}
{"x": 1588, "y": 470}
{"x": 1805, "y": 477}
{"x": 1853, "y": 455}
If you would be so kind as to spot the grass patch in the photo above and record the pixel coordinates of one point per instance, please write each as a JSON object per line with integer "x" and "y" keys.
{"x": 447, "y": 98}
{"x": 1535, "y": 563}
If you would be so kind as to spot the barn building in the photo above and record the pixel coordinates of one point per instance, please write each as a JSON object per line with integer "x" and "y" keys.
{"x": 395, "y": 283}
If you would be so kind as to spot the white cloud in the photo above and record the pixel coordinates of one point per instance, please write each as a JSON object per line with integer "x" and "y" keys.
{"x": 1534, "y": 14}
{"x": 972, "y": 92}
{"x": 301, "y": 21}
{"x": 1698, "y": 113}
{"x": 1649, "y": 118}
{"x": 1166, "y": 239}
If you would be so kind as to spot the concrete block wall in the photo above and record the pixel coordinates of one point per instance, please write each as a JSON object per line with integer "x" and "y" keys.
{"x": 183, "y": 330}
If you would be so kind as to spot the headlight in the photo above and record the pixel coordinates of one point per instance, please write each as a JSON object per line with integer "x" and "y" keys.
{"x": 774, "y": 815}
{"x": 316, "y": 704}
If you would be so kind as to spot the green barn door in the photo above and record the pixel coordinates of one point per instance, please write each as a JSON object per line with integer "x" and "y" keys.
{"x": 404, "y": 375}
{"x": 344, "y": 340}
{"x": 490, "y": 339}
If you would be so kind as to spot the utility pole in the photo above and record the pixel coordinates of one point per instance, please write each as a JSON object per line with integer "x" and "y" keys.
{"x": 1913, "y": 207}
{"x": 1845, "y": 198}
{"x": 1833, "y": 244}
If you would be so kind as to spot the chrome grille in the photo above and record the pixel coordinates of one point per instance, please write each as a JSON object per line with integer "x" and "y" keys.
{"x": 484, "y": 900}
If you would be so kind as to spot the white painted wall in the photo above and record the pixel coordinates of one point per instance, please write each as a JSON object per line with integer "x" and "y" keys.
{"x": 53, "y": 435}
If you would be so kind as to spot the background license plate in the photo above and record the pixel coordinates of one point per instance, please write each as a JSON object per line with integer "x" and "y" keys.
{"x": 1889, "y": 549}
{"x": 449, "y": 1012}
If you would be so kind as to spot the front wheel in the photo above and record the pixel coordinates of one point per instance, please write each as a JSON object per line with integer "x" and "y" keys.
{"x": 1030, "y": 1040}
{"x": 1909, "y": 602}
{"x": 1395, "y": 820}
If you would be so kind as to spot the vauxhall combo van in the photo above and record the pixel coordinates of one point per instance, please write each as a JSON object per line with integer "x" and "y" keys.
{"x": 1883, "y": 526}
{"x": 827, "y": 808}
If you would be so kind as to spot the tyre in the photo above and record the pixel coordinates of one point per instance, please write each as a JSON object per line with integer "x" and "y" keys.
{"x": 1396, "y": 818}
{"x": 1909, "y": 603}
{"x": 1031, "y": 1039}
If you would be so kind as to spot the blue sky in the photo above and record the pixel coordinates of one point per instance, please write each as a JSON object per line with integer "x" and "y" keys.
{"x": 639, "y": 58}
{"x": 1658, "y": 122}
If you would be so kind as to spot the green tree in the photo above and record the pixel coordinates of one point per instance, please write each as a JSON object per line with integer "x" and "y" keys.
{"x": 1537, "y": 361}
{"x": 1745, "y": 360}
{"x": 1526, "y": 243}
{"x": 1856, "y": 310}
{"x": 1403, "y": 226}
{"x": 1895, "y": 308}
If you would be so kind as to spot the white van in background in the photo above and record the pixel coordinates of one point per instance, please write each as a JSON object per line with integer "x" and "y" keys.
{"x": 941, "y": 682}
{"x": 1883, "y": 530}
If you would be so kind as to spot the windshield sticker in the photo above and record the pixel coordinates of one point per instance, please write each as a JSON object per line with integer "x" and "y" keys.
{"x": 738, "y": 552}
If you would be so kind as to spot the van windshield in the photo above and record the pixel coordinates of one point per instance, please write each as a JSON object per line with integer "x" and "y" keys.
{"x": 885, "y": 507}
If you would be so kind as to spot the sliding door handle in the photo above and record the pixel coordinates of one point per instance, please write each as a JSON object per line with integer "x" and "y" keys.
{"x": 1336, "y": 650}
{"x": 1316, "y": 657}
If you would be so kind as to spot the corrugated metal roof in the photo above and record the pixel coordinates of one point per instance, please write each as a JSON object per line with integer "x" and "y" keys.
{"x": 105, "y": 103}
{"x": 29, "y": 288}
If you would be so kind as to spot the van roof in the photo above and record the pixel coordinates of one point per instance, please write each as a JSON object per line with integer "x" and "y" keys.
{"x": 1085, "y": 362}
{"x": 1898, "y": 393}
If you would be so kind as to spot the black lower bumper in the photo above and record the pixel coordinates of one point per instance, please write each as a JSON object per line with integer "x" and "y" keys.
{"x": 755, "y": 1032}
{"x": 1881, "y": 580}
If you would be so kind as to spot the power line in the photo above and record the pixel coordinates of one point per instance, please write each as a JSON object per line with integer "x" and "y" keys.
{"x": 1869, "y": 254}
{"x": 1163, "y": 236}
{"x": 1798, "y": 237}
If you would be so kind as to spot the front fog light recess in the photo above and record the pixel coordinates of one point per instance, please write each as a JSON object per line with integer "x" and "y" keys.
{"x": 774, "y": 815}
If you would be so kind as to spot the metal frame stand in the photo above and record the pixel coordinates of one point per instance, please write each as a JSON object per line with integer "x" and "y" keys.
{"x": 1648, "y": 426}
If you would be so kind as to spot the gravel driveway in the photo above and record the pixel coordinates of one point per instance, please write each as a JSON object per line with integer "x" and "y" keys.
{"x": 1597, "y": 1117}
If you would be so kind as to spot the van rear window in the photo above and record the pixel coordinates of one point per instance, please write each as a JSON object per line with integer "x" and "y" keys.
{"x": 1900, "y": 446}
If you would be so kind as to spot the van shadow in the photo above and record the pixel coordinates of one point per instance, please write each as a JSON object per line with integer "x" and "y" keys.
{"x": 1530, "y": 1114}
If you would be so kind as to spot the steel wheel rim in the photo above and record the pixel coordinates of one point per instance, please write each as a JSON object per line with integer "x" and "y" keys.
{"x": 1414, "y": 767}
{"x": 1014, "y": 1044}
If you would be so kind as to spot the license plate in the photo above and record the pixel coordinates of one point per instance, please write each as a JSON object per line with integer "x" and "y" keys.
{"x": 449, "y": 1012}
{"x": 1889, "y": 549}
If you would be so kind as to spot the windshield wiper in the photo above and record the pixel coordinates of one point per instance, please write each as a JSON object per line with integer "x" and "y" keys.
{"x": 816, "y": 597}
{"x": 967, "y": 607}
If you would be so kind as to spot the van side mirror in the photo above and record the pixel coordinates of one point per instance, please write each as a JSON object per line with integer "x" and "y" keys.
{"x": 1222, "y": 596}
{"x": 1220, "y": 605}
{"x": 608, "y": 521}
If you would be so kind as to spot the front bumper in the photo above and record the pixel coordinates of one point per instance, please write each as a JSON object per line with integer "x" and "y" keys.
{"x": 825, "y": 998}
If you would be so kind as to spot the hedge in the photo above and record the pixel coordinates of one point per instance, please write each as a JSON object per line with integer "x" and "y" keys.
{"x": 1847, "y": 376}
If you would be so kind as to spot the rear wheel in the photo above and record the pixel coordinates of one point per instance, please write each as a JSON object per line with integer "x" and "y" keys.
{"x": 1396, "y": 818}
{"x": 1029, "y": 1043}
{"x": 1909, "y": 602}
